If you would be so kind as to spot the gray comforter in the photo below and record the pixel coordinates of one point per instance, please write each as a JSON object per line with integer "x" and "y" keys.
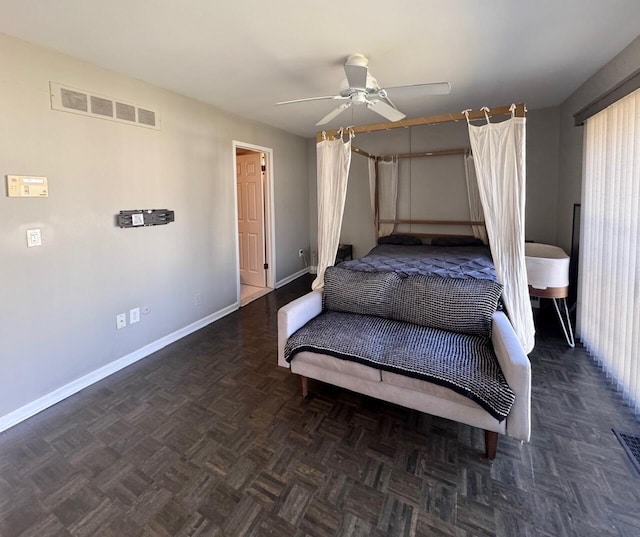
{"x": 447, "y": 261}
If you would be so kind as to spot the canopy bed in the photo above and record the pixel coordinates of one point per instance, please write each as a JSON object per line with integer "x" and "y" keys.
{"x": 499, "y": 163}
{"x": 430, "y": 294}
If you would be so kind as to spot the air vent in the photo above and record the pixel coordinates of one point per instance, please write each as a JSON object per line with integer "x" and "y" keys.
{"x": 146, "y": 117}
{"x": 102, "y": 107}
{"x": 631, "y": 445}
{"x": 87, "y": 103}
{"x": 74, "y": 100}
{"x": 126, "y": 112}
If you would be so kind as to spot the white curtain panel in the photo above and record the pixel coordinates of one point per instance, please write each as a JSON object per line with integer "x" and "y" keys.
{"x": 499, "y": 157}
{"x": 387, "y": 194}
{"x": 372, "y": 196}
{"x": 475, "y": 203}
{"x": 609, "y": 279}
{"x": 334, "y": 160}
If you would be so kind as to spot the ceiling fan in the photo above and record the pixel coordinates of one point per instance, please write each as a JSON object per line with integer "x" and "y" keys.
{"x": 360, "y": 88}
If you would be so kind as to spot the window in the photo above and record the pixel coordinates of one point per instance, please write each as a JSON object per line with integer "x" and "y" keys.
{"x": 609, "y": 281}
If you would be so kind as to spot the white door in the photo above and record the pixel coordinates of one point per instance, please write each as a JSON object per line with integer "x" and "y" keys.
{"x": 251, "y": 220}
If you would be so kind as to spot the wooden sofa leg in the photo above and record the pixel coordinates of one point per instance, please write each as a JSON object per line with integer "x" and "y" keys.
{"x": 490, "y": 444}
{"x": 304, "y": 382}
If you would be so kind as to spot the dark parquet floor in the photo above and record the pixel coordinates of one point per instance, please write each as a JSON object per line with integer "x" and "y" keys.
{"x": 208, "y": 437}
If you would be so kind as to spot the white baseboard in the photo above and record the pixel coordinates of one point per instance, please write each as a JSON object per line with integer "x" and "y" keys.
{"x": 50, "y": 399}
{"x": 289, "y": 279}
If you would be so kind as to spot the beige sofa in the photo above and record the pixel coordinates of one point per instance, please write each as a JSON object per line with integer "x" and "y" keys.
{"x": 411, "y": 392}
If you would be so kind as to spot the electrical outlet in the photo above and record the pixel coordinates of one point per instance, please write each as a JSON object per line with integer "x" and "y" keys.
{"x": 34, "y": 238}
{"x": 197, "y": 300}
{"x": 134, "y": 315}
{"x": 300, "y": 252}
{"x": 121, "y": 320}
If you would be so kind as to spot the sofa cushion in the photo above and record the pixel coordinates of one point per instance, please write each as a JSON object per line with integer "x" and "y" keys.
{"x": 454, "y": 304}
{"x": 338, "y": 365}
{"x": 429, "y": 388}
{"x": 366, "y": 293}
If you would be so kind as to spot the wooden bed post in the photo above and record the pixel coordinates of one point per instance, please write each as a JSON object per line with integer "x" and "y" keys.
{"x": 490, "y": 444}
{"x": 376, "y": 211}
{"x": 304, "y": 382}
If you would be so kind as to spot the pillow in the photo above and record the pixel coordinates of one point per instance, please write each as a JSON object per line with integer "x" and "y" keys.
{"x": 404, "y": 240}
{"x": 367, "y": 293}
{"x": 454, "y": 304}
{"x": 456, "y": 241}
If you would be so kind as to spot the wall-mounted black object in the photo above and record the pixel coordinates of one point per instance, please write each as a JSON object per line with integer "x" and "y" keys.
{"x": 145, "y": 217}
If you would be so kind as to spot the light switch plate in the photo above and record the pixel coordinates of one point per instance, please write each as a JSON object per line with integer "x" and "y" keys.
{"x": 134, "y": 315}
{"x": 34, "y": 238}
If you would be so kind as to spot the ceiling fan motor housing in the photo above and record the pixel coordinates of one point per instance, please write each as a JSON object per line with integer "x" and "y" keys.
{"x": 357, "y": 59}
{"x": 372, "y": 87}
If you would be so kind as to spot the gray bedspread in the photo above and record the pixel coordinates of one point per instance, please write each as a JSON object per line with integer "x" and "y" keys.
{"x": 448, "y": 261}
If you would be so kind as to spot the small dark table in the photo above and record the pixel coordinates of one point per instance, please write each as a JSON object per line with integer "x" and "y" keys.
{"x": 344, "y": 251}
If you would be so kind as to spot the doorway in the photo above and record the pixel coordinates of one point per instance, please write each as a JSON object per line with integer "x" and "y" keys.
{"x": 254, "y": 205}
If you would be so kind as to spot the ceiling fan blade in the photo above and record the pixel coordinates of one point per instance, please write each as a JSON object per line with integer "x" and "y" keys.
{"x": 385, "y": 110}
{"x": 356, "y": 75}
{"x": 420, "y": 90}
{"x": 333, "y": 114}
{"x": 337, "y": 97}
{"x": 383, "y": 95}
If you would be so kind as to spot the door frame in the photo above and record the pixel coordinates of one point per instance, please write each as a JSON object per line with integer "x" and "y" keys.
{"x": 269, "y": 212}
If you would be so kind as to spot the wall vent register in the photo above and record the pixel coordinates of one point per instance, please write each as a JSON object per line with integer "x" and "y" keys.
{"x": 86, "y": 103}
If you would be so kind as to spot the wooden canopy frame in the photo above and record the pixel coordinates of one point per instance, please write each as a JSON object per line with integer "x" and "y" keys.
{"x": 519, "y": 111}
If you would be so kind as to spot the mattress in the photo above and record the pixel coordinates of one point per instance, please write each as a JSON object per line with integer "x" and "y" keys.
{"x": 448, "y": 261}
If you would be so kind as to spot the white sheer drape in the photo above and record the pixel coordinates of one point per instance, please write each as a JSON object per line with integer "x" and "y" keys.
{"x": 475, "y": 203}
{"x": 499, "y": 157}
{"x": 387, "y": 194}
{"x": 372, "y": 196}
{"x": 609, "y": 279}
{"x": 334, "y": 160}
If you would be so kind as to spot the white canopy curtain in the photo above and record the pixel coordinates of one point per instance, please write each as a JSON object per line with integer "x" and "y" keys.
{"x": 334, "y": 160}
{"x": 475, "y": 203}
{"x": 372, "y": 195}
{"x": 499, "y": 157}
{"x": 609, "y": 279}
{"x": 387, "y": 194}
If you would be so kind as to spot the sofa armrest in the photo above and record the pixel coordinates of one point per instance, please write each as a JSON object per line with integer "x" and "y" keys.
{"x": 294, "y": 316}
{"x": 516, "y": 368}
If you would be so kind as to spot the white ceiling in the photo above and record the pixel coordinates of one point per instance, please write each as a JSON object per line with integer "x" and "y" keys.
{"x": 244, "y": 55}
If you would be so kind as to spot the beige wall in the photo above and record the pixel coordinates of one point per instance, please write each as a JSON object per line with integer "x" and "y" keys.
{"x": 59, "y": 302}
{"x": 570, "y": 166}
{"x": 435, "y": 187}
